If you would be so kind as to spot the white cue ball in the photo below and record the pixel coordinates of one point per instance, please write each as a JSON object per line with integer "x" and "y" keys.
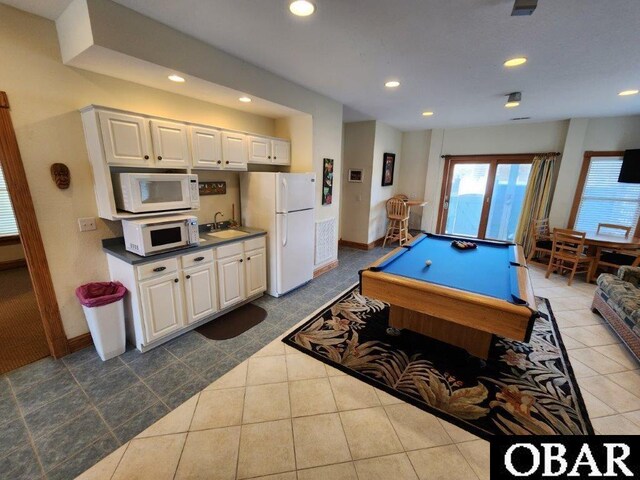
{"x": 427, "y": 263}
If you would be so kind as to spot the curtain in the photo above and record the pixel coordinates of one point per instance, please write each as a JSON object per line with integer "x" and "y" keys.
{"x": 537, "y": 198}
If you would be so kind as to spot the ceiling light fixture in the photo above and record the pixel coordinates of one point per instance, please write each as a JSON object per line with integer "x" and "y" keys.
{"x": 245, "y": 99}
{"x": 515, "y": 62}
{"x": 513, "y": 99}
{"x": 392, "y": 84}
{"x": 427, "y": 114}
{"x": 176, "y": 78}
{"x": 302, "y": 8}
{"x": 626, "y": 93}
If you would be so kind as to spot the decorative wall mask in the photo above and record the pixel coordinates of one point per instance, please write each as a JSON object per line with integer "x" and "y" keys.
{"x": 61, "y": 175}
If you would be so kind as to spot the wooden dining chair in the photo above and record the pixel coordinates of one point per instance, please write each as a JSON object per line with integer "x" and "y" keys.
{"x": 401, "y": 196}
{"x": 567, "y": 254}
{"x": 610, "y": 259}
{"x": 541, "y": 238}
{"x": 397, "y": 221}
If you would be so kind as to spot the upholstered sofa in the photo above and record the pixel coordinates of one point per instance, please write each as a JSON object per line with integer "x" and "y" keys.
{"x": 617, "y": 299}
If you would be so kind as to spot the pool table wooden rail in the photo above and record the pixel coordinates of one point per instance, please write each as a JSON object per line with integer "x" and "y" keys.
{"x": 458, "y": 317}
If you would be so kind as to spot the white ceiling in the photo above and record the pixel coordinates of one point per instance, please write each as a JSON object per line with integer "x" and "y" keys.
{"x": 447, "y": 54}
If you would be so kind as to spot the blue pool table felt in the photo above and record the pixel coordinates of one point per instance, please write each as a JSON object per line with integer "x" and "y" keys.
{"x": 486, "y": 270}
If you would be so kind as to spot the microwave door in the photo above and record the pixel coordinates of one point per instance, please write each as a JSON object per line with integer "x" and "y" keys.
{"x": 165, "y": 237}
{"x": 153, "y": 194}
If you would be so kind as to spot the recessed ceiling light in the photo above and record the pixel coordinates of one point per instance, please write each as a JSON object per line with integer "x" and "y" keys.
{"x": 245, "y": 99}
{"x": 514, "y": 62}
{"x": 176, "y": 78}
{"x": 427, "y": 114}
{"x": 513, "y": 99}
{"x": 392, "y": 84}
{"x": 302, "y": 8}
{"x": 626, "y": 93}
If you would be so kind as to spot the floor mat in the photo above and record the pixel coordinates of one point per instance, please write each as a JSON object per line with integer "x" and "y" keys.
{"x": 522, "y": 388}
{"x": 234, "y": 323}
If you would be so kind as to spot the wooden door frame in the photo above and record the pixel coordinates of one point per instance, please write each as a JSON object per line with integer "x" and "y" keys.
{"x": 35, "y": 256}
{"x": 493, "y": 161}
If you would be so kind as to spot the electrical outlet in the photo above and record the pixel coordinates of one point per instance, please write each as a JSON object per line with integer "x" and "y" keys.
{"x": 87, "y": 224}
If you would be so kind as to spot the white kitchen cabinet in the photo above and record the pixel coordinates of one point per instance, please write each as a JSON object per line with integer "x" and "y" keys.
{"x": 170, "y": 143}
{"x": 162, "y": 311}
{"x": 206, "y": 148}
{"x": 281, "y": 152}
{"x": 259, "y": 150}
{"x": 256, "y": 271}
{"x": 231, "y": 280}
{"x": 200, "y": 292}
{"x": 126, "y": 139}
{"x": 268, "y": 151}
{"x": 234, "y": 151}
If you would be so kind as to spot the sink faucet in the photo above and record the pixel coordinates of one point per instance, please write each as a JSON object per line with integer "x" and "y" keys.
{"x": 215, "y": 220}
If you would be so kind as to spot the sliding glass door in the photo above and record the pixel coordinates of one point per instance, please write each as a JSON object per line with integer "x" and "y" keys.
{"x": 482, "y": 195}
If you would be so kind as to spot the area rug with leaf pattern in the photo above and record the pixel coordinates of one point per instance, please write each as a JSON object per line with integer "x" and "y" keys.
{"x": 522, "y": 388}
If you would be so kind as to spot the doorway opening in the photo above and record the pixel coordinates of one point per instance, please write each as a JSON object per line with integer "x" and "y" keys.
{"x": 482, "y": 195}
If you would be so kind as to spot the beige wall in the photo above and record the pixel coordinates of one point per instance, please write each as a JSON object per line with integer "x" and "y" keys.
{"x": 413, "y": 171}
{"x": 359, "y": 138}
{"x": 45, "y": 97}
{"x": 387, "y": 140}
{"x": 9, "y": 253}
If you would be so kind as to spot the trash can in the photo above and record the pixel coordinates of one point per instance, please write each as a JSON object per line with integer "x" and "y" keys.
{"x": 103, "y": 307}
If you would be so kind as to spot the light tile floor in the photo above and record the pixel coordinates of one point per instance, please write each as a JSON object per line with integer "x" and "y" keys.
{"x": 282, "y": 415}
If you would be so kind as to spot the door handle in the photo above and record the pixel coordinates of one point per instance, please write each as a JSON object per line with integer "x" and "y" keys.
{"x": 198, "y": 259}
{"x": 285, "y": 228}
{"x": 284, "y": 194}
{"x": 159, "y": 269}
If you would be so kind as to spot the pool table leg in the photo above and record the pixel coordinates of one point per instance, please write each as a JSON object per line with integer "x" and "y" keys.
{"x": 476, "y": 342}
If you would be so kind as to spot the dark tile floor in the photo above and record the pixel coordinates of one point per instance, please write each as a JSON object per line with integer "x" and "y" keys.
{"x": 59, "y": 417}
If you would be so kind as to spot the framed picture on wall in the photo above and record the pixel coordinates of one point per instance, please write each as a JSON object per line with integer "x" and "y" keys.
{"x": 327, "y": 181}
{"x": 355, "y": 175}
{"x": 389, "y": 161}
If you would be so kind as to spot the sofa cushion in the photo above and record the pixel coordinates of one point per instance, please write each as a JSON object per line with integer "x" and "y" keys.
{"x": 624, "y": 295}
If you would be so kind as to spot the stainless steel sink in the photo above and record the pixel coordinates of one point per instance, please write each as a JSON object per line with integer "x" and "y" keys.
{"x": 228, "y": 234}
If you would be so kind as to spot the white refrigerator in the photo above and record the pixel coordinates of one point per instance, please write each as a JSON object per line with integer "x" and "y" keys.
{"x": 283, "y": 205}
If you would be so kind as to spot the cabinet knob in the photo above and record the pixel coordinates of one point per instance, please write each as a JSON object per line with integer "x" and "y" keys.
{"x": 241, "y": 260}
{"x": 159, "y": 157}
{"x": 146, "y": 157}
{"x": 269, "y": 157}
{"x": 227, "y": 162}
{"x": 220, "y": 161}
{"x": 176, "y": 280}
{"x": 274, "y": 157}
{"x": 248, "y": 258}
{"x": 188, "y": 277}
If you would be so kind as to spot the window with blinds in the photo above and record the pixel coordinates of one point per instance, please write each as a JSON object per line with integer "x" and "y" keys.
{"x": 7, "y": 218}
{"x": 604, "y": 200}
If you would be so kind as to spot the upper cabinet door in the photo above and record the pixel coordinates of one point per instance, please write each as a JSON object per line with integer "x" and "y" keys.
{"x": 281, "y": 152}
{"x": 170, "y": 144}
{"x": 206, "y": 148}
{"x": 259, "y": 150}
{"x": 126, "y": 139}
{"x": 234, "y": 151}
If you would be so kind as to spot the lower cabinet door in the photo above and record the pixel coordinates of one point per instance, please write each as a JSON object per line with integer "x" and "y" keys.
{"x": 161, "y": 306}
{"x": 256, "y": 270}
{"x": 200, "y": 292}
{"x": 231, "y": 281}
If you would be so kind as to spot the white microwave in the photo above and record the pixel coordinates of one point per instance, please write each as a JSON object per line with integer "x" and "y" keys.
{"x": 155, "y": 192}
{"x": 160, "y": 234}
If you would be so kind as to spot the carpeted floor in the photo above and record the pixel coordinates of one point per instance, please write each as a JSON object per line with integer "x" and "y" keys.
{"x": 522, "y": 388}
{"x": 22, "y": 338}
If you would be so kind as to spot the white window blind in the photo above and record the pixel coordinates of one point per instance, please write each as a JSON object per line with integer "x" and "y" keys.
{"x": 7, "y": 218}
{"x": 604, "y": 200}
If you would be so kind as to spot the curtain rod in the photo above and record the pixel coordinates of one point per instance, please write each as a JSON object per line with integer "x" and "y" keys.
{"x": 502, "y": 154}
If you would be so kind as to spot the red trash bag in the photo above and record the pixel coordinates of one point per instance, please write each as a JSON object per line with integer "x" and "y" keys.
{"x": 97, "y": 294}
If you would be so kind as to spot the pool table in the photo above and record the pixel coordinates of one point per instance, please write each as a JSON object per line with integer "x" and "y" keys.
{"x": 463, "y": 298}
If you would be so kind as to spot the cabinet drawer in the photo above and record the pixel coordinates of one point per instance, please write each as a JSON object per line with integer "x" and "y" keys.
{"x": 254, "y": 243}
{"x": 197, "y": 258}
{"x": 161, "y": 267}
{"x": 229, "y": 250}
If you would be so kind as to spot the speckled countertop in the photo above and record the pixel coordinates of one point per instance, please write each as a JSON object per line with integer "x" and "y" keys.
{"x": 115, "y": 246}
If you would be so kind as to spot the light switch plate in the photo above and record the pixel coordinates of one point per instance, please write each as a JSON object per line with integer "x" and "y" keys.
{"x": 87, "y": 224}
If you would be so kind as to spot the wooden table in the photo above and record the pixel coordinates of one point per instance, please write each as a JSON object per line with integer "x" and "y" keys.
{"x": 596, "y": 242}
{"x": 414, "y": 203}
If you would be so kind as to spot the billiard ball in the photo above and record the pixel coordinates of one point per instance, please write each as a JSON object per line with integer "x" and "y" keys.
{"x": 427, "y": 263}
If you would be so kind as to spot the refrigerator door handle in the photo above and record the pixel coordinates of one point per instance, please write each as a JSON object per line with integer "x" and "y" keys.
{"x": 284, "y": 229}
{"x": 285, "y": 193}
